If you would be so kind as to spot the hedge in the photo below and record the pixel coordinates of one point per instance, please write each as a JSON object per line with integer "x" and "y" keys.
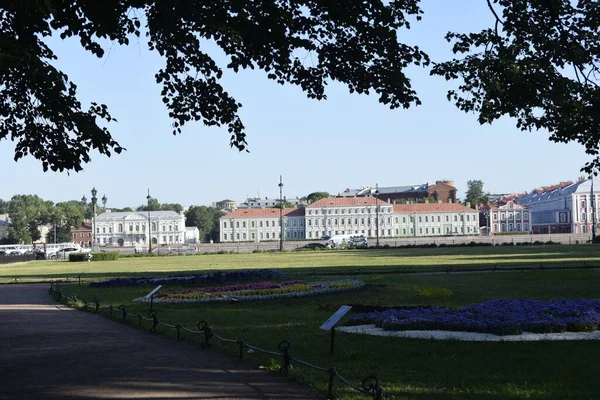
{"x": 108, "y": 256}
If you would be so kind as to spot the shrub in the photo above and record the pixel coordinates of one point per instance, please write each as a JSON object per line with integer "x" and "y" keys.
{"x": 108, "y": 256}
{"x": 77, "y": 257}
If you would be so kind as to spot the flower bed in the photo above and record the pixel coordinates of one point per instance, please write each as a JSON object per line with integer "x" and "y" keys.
{"x": 500, "y": 317}
{"x": 198, "y": 279}
{"x": 254, "y": 291}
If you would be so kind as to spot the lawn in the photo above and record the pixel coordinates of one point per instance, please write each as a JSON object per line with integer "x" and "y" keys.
{"x": 407, "y": 368}
{"x": 323, "y": 262}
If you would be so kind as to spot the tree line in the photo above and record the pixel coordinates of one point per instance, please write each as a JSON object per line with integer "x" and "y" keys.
{"x": 28, "y": 213}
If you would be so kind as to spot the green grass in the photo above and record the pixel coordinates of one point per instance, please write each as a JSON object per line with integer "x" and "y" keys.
{"x": 384, "y": 260}
{"x": 407, "y": 368}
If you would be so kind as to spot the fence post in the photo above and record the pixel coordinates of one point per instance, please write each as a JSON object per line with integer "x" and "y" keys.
{"x": 152, "y": 315}
{"x": 203, "y": 326}
{"x": 242, "y": 345}
{"x": 330, "y": 383}
{"x": 178, "y": 331}
{"x": 284, "y": 347}
{"x": 97, "y": 302}
{"x": 123, "y": 312}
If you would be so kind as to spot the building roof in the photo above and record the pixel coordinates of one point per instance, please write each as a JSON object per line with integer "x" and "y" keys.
{"x": 191, "y": 228}
{"x": 226, "y": 201}
{"x": 431, "y": 207}
{"x": 84, "y": 227}
{"x": 263, "y": 213}
{"x": 347, "y": 202}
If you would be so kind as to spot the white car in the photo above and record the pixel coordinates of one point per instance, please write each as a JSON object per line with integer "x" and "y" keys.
{"x": 63, "y": 254}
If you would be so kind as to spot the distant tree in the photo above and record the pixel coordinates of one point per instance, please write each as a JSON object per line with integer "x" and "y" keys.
{"x": 206, "y": 219}
{"x": 126, "y": 209}
{"x": 4, "y": 205}
{"x": 475, "y": 194}
{"x": 27, "y": 212}
{"x": 154, "y": 205}
{"x": 172, "y": 207}
{"x": 316, "y": 196}
{"x": 63, "y": 216}
{"x": 286, "y": 204}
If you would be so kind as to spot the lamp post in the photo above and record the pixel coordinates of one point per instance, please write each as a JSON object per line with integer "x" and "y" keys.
{"x": 94, "y": 200}
{"x": 281, "y": 203}
{"x": 377, "y": 214}
{"x": 486, "y": 213}
{"x": 149, "y": 225}
{"x": 593, "y": 204}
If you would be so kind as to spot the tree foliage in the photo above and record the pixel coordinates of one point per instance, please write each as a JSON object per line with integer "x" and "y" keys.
{"x": 350, "y": 41}
{"x": 155, "y": 205}
{"x": 316, "y": 196}
{"x": 475, "y": 194}
{"x": 539, "y": 64}
{"x": 4, "y": 206}
{"x": 206, "y": 219}
{"x": 27, "y": 213}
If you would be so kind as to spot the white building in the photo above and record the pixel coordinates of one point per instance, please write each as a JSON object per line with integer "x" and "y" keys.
{"x": 348, "y": 215}
{"x": 563, "y": 208}
{"x": 435, "y": 219}
{"x": 261, "y": 224}
{"x": 191, "y": 235}
{"x": 131, "y": 228}
{"x": 508, "y": 217}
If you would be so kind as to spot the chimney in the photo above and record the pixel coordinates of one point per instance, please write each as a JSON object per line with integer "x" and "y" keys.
{"x": 389, "y": 200}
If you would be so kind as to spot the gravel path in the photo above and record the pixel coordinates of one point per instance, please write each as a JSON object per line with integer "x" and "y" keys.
{"x": 48, "y": 351}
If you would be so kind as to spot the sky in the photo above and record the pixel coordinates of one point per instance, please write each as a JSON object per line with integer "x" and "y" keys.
{"x": 347, "y": 141}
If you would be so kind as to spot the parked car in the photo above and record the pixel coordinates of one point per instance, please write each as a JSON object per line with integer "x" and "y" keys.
{"x": 63, "y": 254}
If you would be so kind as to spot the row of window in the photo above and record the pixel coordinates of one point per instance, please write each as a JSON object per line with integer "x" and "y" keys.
{"x": 368, "y": 210}
{"x": 263, "y": 235}
{"x": 172, "y": 239}
{"x": 403, "y": 231}
{"x": 516, "y": 216}
{"x": 264, "y": 224}
{"x": 511, "y": 227}
{"x": 137, "y": 228}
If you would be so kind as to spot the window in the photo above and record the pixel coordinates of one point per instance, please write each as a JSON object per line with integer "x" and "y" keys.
{"x": 103, "y": 230}
{"x": 120, "y": 228}
{"x": 244, "y": 224}
{"x": 583, "y": 218}
{"x": 176, "y": 238}
{"x": 447, "y": 218}
{"x": 389, "y": 220}
{"x": 426, "y": 219}
{"x": 170, "y": 238}
{"x": 143, "y": 228}
{"x": 439, "y": 219}
{"x": 261, "y": 235}
{"x": 130, "y": 228}
{"x": 97, "y": 230}
{"x": 404, "y": 231}
{"x": 455, "y": 218}
{"x": 154, "y": 225}
{"x": 237, "y": 225}
{"x": 583, "y": 206}
{"x": 420, "y": 219}
{"x": 109, "y": 229}
{"x": 426, "y": 230}
{"x": 403, "y": 220}
{"x": 252, "y": 224}
{"x": 237, "y": 236}
{"x": 137, "y": 228}
{"x": 164, "y": 239}
{"x": 267, "y": 235}
{"x": 260, "y": 224}
{"x": 164, "y": 228}
{"x": 253, "y": 236}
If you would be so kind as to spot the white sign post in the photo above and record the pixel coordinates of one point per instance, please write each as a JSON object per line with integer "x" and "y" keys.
{"x": 151, "y": 295}
{"x": 332, "y": 321}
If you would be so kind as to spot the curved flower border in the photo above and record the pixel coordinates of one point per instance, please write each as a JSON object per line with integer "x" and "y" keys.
{"x": 325, "y": 288}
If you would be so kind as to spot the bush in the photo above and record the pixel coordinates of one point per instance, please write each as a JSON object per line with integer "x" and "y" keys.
{"x": 80, "y": 257}
{"x": 77, "y": 257}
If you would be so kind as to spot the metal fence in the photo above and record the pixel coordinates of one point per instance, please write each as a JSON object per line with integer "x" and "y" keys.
{"x": 369, "y": 385}
{"x": 10, "y": 259}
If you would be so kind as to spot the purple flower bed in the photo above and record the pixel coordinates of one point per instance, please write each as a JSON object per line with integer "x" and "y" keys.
{"x": 500, "y": 317}
{"x": 194, "y": 280}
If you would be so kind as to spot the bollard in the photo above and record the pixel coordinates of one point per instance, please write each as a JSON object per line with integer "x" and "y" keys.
{"x": 97, "y": 305}
{"x": 139, "y": 316}
{"x": 203, "y": 326}
{"x": 242, "y": 345}
{"x": 123, "y": 312}
{"x": 284, "y": 347}
{"x": 152, "y": 314}
{"x": 371, "y": 384}
{"x": 178, "y": 331}
{"x": 110, "y": 311}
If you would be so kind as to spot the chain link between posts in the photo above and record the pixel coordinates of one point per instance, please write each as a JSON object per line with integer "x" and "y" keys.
{"x": 369, "y": 386}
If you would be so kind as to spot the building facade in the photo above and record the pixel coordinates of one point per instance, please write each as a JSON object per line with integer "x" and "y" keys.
{"x": 131, "y": 228}
{"x": 435, "y": 219}
{"x": 261, "y": 224}
{"x": 82, "y": 235}
{"x": 504, "y": 218}
{"x": 226, "y": 205}
{"x": 348, "y": 215}
{"x": 191, "y": 235}
{"x": 366, "y": 216}
{"x": 257, "y": 202}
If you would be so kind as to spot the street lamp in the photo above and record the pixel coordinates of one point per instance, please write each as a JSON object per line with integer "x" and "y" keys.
{"x": 104, "y": 200}
{"x": 377, "y": 214}
{"x": 149, "y": 225}
{"x": 486, "y": 213}
{"x": 281, "y": 203}
{"x": 94, "y": 200}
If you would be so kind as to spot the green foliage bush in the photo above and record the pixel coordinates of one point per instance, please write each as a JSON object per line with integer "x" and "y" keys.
{"x": 108, "y": 256}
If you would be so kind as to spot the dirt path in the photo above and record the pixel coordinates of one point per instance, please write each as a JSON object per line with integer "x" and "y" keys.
{"x": 48, "y": 351}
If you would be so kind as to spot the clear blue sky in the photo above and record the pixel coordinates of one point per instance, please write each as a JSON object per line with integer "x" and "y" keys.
{"x": 347, "y": 141}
